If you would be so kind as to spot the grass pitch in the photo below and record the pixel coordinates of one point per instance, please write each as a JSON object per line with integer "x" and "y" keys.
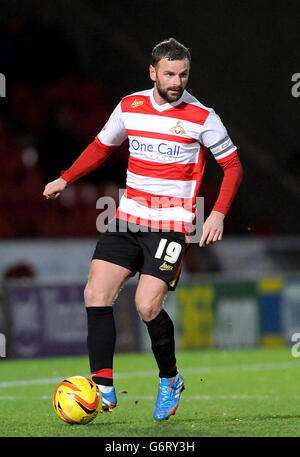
{"x": 238, "y": 393}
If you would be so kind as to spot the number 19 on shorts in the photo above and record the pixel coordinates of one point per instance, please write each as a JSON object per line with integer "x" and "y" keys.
{"x": 170, "y": 251}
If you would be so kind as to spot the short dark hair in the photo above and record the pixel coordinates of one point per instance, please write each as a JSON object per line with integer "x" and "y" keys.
{"x": 171, "y": 49}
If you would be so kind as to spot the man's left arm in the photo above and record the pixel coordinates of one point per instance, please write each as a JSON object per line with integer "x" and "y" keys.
{"x": 215, "y": 137}
{"x": 214, "y": 224}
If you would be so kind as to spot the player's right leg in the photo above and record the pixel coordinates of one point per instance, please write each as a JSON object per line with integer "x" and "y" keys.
{"x": 105, "y": 280}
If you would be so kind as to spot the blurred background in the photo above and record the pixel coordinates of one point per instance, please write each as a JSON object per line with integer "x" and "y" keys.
{"x": 66, "y": 65}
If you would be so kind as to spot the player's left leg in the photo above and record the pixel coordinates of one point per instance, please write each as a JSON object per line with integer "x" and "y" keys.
{"x": 149, "y": 299}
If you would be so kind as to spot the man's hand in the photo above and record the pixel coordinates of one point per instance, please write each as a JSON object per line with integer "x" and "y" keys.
{"x": 54, "y": 188}
{"x": 212, "y": 229}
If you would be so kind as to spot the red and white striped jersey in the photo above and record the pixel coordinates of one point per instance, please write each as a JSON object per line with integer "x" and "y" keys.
{"x": 168, "y": 145}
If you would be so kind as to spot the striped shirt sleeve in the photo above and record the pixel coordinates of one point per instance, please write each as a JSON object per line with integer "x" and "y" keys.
{"x": 214, "y": 136}
{"x": 114, "y": 132}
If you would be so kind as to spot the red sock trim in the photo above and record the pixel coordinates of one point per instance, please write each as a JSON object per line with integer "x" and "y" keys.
{"x": 104, "y": 373}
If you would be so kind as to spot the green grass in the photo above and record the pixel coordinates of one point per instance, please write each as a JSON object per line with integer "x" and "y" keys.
{"x": 241, "y": 393}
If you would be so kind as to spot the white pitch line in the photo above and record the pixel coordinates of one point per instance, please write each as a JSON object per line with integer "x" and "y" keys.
{"x": 144, "y": 374}
{"x": 152, "y": 397}
{"x": 31, "y": 382}
{"x": 223, "y": 368}
{"x": 204, "y": 397}
{"x": 16, "y": 397}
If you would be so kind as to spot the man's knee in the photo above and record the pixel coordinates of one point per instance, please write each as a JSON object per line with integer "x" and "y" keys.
{"x": 149, "y": 297}
{"x": 148, "y": 309}
{"x": 96, "y": 297}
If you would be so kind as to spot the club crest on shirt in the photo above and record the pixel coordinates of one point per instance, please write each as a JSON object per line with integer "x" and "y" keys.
{"x": 137, "y": 103}
{"x": 178, "y": 129}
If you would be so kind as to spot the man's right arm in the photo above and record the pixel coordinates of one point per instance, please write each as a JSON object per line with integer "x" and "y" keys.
{"x": 111, "y": 137}
{"x": 91, "y": 158}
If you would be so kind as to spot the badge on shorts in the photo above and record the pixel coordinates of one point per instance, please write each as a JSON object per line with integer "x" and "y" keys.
{"x": 166, "y": 267}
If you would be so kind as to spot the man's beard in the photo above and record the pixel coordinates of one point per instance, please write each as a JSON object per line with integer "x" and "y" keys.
{"x": 168, "y": 97}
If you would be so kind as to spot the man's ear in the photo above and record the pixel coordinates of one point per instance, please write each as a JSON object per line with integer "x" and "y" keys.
{"x": 152, "y": 73}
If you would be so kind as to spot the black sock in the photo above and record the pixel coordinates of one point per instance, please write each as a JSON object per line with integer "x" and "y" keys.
{"x": 101, "y": 343}
{"x": 161, "y": 332}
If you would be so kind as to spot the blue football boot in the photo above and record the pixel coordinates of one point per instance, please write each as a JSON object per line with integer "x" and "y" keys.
{"x": 109, "y": 400}
{"x": 169, "y": 391}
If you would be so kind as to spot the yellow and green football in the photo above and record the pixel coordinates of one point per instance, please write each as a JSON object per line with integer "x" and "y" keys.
{"x": 77, "y": 400}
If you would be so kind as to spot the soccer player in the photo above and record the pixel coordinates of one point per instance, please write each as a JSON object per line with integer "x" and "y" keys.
{"x": 169, "y": 133}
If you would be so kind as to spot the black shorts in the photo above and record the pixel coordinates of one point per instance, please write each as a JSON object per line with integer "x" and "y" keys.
{"x": 154, "y": 253}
